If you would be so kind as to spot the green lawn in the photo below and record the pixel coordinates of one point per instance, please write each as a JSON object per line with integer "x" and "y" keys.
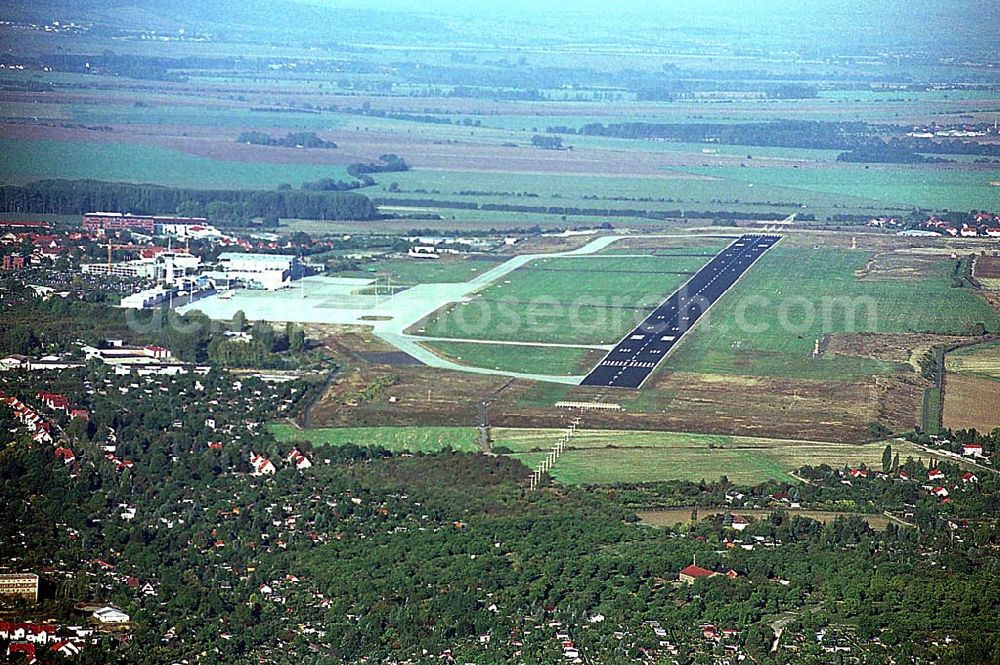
{"x": 930, "y": 417}
{"x": 23, "y": 161}
{"x": 701, "y": 245}
{"x": 767, "y": 325}
{"x": 527, "y": 359}
{"x": 413, "y": 439}
{"x": 660, "y": 264}
{"x": 586, "y": 283}
{"x": 552, "y": 322}
{"x": 624, "y": 456}
{"x": 593, "y": 300}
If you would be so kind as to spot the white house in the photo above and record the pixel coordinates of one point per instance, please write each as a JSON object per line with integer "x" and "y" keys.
{"x": 972, "y": 449}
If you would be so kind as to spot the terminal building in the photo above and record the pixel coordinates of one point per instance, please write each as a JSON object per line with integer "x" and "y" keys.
{"x": 260, "y": 271}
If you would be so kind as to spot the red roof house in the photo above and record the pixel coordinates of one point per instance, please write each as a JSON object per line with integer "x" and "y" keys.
{"x": 692, "y": 573}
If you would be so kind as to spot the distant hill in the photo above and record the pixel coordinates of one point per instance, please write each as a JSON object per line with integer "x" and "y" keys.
{"x": 258, "y": 18}
{"x": 963, "y": 29}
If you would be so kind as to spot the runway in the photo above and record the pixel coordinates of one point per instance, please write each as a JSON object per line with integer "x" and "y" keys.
{"x": 634, "y": 358}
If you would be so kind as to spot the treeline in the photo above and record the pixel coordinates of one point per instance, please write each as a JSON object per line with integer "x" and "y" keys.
{"x": 866, "y": 139}
{"x": 687, "y": 89}
{"x": 361, "y": 172}
{"x": 160, "y": 68}
{"x": 76, "y": 197}
{"x": 782, "y": 133}
{"x": 594, "y": 212}
{"x": 290, "y": 140}
{"x": 547, "y": 142}
{"x": 887, "y": 154}
{"x": 388, "y": 163}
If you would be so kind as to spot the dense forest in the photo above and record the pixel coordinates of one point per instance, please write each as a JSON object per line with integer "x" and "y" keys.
{"x": 395, "y": 558}
{"x": 69, "y": 197}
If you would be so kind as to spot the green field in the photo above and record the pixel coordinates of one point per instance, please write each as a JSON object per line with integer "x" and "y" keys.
{"x": 677, "y": 190}
{"x": 982, "y": 360}
{"x": 599, "y": 457}
{"x": 235, "y": 118}
{"x": 930, "y": 416}
{"x": 526, "y": 359}
{"x": 412, "y": 439}
{"x": 23, "y": 161}
{"x": 580, "y": 300}
{"x": 767, "y": 325}
{"x": 930, "y": 187}
{"x": 661, "y": 264}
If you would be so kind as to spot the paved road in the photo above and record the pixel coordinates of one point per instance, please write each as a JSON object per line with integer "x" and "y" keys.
{"x": 631, "y": 362}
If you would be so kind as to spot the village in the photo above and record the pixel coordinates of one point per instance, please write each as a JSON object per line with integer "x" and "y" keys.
{"x": 213, "y": 425}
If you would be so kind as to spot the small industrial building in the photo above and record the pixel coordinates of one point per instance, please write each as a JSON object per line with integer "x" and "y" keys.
{"x": 423, "y": 252}
{"x": 129, "y": 355}
{"x": 111, "y": 615}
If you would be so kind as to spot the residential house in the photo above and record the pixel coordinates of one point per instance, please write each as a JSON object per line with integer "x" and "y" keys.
{"x": 972, "y": 449}
{"x": 261, "y": 465}
{"x": 66, "y": 648}
{"x": 693, "y": 573}
{"x": 54, "y": 401}
{"x": 298, "y": 459}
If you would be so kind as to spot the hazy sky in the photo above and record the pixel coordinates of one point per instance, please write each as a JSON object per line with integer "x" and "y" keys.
{"x": 874, "y": 23}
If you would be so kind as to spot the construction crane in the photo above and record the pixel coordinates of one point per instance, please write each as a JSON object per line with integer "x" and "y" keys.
{"x": 111, "y": 247}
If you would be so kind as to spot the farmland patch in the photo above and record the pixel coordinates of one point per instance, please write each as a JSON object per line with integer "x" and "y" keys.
{"x": 971, "y": 402}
